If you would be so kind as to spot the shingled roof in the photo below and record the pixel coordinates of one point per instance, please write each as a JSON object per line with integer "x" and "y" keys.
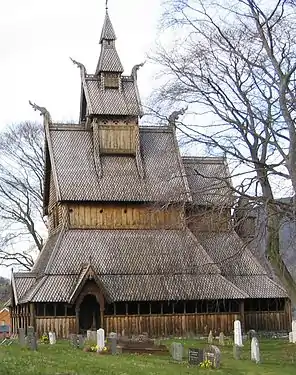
{"x": 71, "y": 152}
{"x": 209, "y": 180}
{"x": 173, "y": 261}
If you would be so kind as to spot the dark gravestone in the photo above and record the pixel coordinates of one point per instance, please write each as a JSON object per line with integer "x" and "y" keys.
{"x": 21, "y": 336}
{"x": 195, "y": 356}
{"x": 177, "y": 351}
{"x": 31, "y": 339}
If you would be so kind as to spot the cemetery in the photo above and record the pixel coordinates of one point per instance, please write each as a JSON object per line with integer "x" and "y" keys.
{"x": 95, "y": 353}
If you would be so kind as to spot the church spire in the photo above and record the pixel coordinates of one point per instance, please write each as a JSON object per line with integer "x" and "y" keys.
{"x": 109, "y": 61}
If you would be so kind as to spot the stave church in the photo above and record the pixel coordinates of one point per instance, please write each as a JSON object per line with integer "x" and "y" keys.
{"x": 140, "y": 238}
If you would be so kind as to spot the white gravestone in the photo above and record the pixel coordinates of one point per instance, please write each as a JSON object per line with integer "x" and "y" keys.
{"x": 291, "y": 337}
{"x": 100, "y": 339}
{"x": 255, "y": 351}
{"x": 52, "y": 338}
{"x": 238, "y": 340}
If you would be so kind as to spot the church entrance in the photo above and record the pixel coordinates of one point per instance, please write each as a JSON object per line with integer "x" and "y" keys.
{"x": 89, "y": 314}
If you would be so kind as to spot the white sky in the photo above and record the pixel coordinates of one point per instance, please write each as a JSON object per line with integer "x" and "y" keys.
{"x": 39, "y": 36}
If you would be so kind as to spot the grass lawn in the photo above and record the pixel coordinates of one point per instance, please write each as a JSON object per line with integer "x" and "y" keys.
{"x": 278, "y": 358}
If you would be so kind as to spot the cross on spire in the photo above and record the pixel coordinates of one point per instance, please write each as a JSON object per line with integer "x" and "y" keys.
{"x": 106, "y": 4}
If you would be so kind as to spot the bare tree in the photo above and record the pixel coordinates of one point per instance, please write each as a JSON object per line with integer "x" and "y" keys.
{"x": 234, "y": 65}
{"x": 21, "y": 193}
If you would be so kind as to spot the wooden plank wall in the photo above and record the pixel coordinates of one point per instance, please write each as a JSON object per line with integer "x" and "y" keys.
{"x": 124, "y": 217}
{"x": 118, "y": 139}
{"x": 62, "y": 326}
{"x": 175, "y": 324}
{"x": 267, "y": 321}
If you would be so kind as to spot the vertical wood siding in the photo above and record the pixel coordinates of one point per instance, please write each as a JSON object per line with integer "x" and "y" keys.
{"x": 176, "y": 324}
{"x": 124, "y": 217}
{"x": 267, "y": 321}
{"x": 62, "y": 326}
{"x": 118, "y": 139}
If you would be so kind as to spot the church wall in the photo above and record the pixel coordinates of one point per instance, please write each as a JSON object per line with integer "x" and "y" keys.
{"x": 111, "y": 216}
{"x": 118, "y": 138}
{"x": 63, "y": 326}
{"x": 210, "y": 220}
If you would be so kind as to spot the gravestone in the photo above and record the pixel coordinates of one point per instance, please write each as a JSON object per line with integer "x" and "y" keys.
{"x": 113, "y": 345}
{"x": 210, "y": 337}
{"x": 255, "y": 351}
{"x": 292, "y": 337}
{"x": 100, "y": 339}
{"x": 237, "y": 352}
{"x": 52, "y": 338}
{"x": 21, "y": 336}
{"x": 213, "y": 354}
{"x": 238, "y": 340}
{"x": 177, "y": 351}
{"x": 221, "y": 339}
{"x": 31, "y": 339}
{"x": 80, "y": 340}
{"x": 74, "y": 340}
{"x": 195, "y": 356}
{"x": 252, "y": 333}
{"x": 91, "y": 335}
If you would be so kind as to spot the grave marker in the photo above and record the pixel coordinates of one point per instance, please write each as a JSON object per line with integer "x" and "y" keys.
{"x": 213, "y": 354}
{"x": 100, "y": 339}
{"x": 31, "y": 338}
{"x": 113, "y": 345}
{"x": 177, "y": 351}
{"x": 52, "y": 338}
{"x": 221, "y": 339}
{"x": 238, "y": 341}
{"x": 21, "y": 336}
{"x": 195, "y": 356}
{"x": 210, "y": 337}
{"x": 236, "y": 352}
{"x": 91, "y": 335}
{"x": 255, "y": 351}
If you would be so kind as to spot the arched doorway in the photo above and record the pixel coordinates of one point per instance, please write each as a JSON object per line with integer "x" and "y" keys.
{"x": 89, "y": 314}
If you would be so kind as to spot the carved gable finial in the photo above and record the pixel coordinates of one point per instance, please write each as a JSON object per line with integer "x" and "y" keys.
{"x": 43, "y": 111}
{"x": 175, "y": 116}
{"x": 135, "y": 70}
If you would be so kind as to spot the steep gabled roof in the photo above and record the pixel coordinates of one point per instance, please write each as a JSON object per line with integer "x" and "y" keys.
{"x": 72, "y": 156}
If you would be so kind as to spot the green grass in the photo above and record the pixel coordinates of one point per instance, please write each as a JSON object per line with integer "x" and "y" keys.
{"x": 278, "y": 357}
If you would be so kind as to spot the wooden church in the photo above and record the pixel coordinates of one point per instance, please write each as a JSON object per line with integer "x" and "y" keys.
{"x": 140, "y": 238}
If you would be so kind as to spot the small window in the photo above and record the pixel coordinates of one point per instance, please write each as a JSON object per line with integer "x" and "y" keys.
{"x": 156, "y": 307}
{"x": 167, "y": 307}
{"x": 39, "y": 309}
{"x": 60, "y": 309}
{"x": 144, "y": 308}
{"x": 71, "y": 310}
{"x": 120, "y": 308}
{"x": 109, "y": 309}
{"x": 132, "y": 308}
{"x": 179, "y": 307}
{"x": 190, "y": 307}
{"x": 49, "y": 309}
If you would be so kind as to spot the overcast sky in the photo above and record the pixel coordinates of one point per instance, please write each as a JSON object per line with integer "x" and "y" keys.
{"x": 39, "y": 36}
